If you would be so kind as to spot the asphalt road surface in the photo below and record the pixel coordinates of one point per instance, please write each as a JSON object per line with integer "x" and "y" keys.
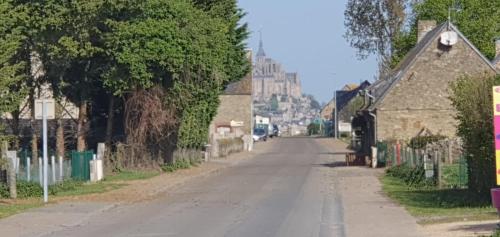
{"x": 286, "y": 191}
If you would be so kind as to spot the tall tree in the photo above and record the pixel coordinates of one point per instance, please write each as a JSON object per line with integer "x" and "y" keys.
{"x": 11, "y": 67}
{"x": 372, "y": 26}
{"x": 478, "y": 20}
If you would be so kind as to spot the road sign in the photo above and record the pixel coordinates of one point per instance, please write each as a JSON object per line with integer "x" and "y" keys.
{"x": 496, "y": 123}
{"x": 51, "y": 105}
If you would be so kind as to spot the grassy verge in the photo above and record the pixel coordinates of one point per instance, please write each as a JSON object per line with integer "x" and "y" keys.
{"x": 434, "y": 205}
{"x": 31, "y": 192}
{"x": 8, "y": 209}
{"x": 131, "y": 175}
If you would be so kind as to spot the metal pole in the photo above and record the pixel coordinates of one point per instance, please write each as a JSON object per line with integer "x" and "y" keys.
{"x": 336, "y": 116}
{"x": 45, "y": 158}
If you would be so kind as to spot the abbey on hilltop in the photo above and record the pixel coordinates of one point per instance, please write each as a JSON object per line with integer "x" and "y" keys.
{"x": 269, "y": 78}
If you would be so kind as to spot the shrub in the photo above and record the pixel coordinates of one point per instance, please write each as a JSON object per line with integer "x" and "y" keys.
{"x": 178, "y": 164}
{"x": 4, "y": 191}
{"x": 472, "y": 98}
{"x": 412, "y": 176}
{"x": 66, "y": 185}
{"x": 28, "y": 189}
{"x": 420, "y": 142}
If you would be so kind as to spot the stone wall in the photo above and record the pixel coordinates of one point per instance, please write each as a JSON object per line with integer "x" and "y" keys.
{"x": 405, "y": 124}
{"x": 421, "y": 98}
{"x": 236, "y": 108}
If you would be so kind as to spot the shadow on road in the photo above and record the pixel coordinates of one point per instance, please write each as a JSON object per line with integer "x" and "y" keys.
{"x": 333, "y": 164}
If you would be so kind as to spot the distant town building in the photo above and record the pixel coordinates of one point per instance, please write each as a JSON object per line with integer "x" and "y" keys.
{"x": 269, "y": 78}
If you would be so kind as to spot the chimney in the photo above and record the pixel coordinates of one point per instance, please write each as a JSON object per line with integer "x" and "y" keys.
{"x": 497, "y": 44}
{"x": 424, "y": 27}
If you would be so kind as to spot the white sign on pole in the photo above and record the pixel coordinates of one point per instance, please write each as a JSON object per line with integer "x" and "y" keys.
{"x": 50, "y": 106}
{"x": 344, "y": 127}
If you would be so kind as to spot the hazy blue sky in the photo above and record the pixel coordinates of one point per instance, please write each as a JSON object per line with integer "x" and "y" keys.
{"x": 307, "y": 37}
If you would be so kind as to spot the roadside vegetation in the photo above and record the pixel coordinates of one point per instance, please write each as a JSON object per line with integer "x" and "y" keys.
{"x": 472, "y": 97}
{"x": 30, "y": 193}
{"x": 430, "y": 204}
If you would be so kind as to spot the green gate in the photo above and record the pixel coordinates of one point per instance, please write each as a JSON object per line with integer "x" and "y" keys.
{"x": 80, "y": 165}
{"x": 382, "y": 154}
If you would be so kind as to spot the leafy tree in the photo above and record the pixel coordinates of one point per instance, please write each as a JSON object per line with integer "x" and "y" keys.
{"x": 11, "y": 69}
{"x": 476, "y": 19}
{"x": 472, "y": 97}
{"x": 373, "y": 25}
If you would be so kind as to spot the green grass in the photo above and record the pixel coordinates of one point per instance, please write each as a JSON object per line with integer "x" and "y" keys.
{"x": 131, "y": 175}
{"x": 433, "y": 205}
{"x": 12, "y": 209}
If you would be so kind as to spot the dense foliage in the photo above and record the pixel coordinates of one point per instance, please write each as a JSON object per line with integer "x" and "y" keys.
{"x": 412, "y": 176}
{"x": 388, "y": 28}
{"x": 472, "y": 97}
{"x": 420, "y": 142}
{"x": 167, "y": 60}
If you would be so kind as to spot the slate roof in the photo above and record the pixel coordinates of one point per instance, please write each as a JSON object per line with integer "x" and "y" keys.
{"x": 382, "y": 86}
{"x": 496, "y": 60}
{"x": 343, "y": 97}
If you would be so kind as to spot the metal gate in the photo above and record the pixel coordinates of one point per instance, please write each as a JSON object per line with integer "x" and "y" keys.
{"x": 80, "y": 165}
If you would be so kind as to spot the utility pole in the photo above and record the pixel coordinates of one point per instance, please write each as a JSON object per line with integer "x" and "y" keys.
{"x": 45, "y": 158}
{"x": 335, "y": 130}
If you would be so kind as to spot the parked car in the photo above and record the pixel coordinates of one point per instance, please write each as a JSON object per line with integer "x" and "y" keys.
{"x": 276, "y": 131}
{"x": 259, "y": 134}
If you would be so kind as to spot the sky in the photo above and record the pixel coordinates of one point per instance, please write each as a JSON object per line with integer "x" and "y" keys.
{"x": 307, "y": 37}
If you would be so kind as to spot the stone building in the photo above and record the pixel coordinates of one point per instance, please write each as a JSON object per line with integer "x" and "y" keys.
{"x": 347, "y": 98}
{"x": 234, "y": 118}
{"x": 326, "y": 112}
{"x": 270, "y": 78}
{"x": 414, "y": 97}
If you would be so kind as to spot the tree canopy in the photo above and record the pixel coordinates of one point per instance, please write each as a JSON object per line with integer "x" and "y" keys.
{"x": 176, "y": 55}
{"x": 388, "y": 28}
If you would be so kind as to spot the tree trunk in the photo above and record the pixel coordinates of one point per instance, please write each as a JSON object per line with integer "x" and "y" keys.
{"x": 34, "y": 132}
{"x": 60, "y": 138}
{"x": 15, "y": 128}
{"x": 11, "y": 171}
{"x": 109, "y": 125}
{"x": 81, "y": 144}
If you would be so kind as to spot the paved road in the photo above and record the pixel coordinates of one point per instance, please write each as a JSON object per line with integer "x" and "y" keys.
{"x": 284, "y": 192}
{"x": 294, "y": 187}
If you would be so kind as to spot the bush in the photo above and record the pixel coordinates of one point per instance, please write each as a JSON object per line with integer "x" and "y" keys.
{"x": 33, "y": 189}
{"x": 473, "y": 99}
{"x": 412, "y": 176}
{"x": 66, "y": 185}
{"x": 422, "y": 141}
{"x": 178, "y": 164}
{"x": 4, "y": 191}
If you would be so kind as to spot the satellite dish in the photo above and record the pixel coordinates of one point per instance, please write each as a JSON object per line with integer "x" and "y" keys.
{"x": 449, "y": 38}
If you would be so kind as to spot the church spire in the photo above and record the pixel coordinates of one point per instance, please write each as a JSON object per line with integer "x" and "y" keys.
{"x": 261, "y": 53}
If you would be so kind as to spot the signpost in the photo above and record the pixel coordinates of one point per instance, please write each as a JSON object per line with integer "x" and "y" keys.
{"x": 496, "y": 124}
{"x": 47, "y": 111}
{"x": 495, "y": 192}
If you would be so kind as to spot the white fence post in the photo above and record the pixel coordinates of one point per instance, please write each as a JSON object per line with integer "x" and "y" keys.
{"x": 61, "y": 174}
{"x": 28, "y": 169}
{"x": 40, "y": 170}
{"x": 53, "y": 168}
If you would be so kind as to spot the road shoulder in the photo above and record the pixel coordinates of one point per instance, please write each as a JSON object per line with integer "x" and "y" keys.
{"x": 71, "y": 211}
{"x": 367, "y": 212}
